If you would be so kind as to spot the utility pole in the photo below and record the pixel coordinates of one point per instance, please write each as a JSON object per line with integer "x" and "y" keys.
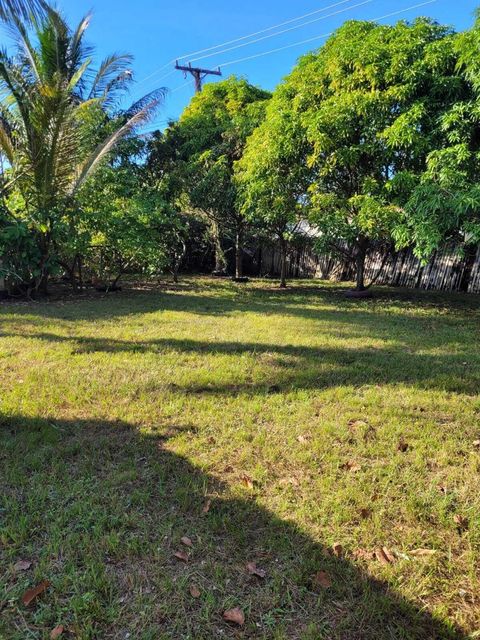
{"x": 197, "y": 73}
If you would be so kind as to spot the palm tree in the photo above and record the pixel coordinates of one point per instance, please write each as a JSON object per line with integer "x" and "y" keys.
{"x": 21, "y": 8}
{"x": 48, "y": 92}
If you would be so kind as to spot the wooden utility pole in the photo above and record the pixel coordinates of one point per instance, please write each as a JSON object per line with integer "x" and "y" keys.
{"x": 197, "y": 73}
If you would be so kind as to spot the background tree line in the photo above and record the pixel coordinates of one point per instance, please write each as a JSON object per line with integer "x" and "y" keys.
{"x": 372, "y": 141}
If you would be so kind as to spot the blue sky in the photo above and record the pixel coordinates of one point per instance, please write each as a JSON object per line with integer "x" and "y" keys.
{"x": 158, "y": 31}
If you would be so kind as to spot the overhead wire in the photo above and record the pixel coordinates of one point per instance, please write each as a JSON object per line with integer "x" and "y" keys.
{"x": 324, "y": 35}
{"x": 308, "y": 40}
{"x": 239, "y": 39}
{"x": 278, "y": 33}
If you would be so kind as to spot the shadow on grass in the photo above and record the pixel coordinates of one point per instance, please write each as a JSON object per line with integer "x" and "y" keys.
{"x": 306, "y": 367}
{"x": 100, "y": 509}
{"x": 204, "y": 297}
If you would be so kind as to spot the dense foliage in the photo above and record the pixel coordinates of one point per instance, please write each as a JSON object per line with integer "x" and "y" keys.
{"x": 59, "y": 120}
{"x": 205, "y": 143}
{"x": 355, "y": 122}
{"x": 371, "y": 143}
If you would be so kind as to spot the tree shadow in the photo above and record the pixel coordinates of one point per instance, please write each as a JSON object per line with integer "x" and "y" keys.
{"x": 289, "y": 367}
{"x": 223, "y": 299}
{"x": 100, "y": 507}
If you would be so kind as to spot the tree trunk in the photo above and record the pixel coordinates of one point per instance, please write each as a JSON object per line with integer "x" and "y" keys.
{"x": 3, "y": 288}
{"x": 283, "y": 263}
{"x": 239, "y": 255}
{"x": 220, "y": 262}
{"x": 175, "y": 270}
{"x": 80, "y": 272}
{"x": 360, "y": 257}
{"x": 41, "y": 281}
{"x": 470, "y": 256}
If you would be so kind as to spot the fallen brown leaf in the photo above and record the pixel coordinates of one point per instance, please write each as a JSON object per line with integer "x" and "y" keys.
{"x": 322, "y": 579}
{"x": 403, "y": 446}
{"x": 384, "y": 555}
{"x": 194, "y": 591}
{"x": 186, "y": 541}
{"x": 337, "y": 549}
{"x": 355, "y": 422}
{"x": 22, "y": 565}
{"x": 363, "y": 554}
{"x": 206, "y": 506}
{"x": 422, "y": 552}
{"x": 235, "y": 615}
{"x": 303, "y": 439}
{"x": 461, "y": 522}
{"x": 181, "y": 555}
{"x": 350, "y": 465}
{"x": 30, "y": 595}
{"x": 253, "y": 570}
{"x": 365, "y": 512}
{"x": 247, "y": 481}
{"x": 57, "y": 632}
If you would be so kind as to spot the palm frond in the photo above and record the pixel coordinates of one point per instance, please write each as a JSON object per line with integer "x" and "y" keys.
{"x": 157, "y": 96}
{"x": 26, "y": 9}
{"x": 6, "y": 142}
{"x": 115, "y": 68}
{"x": 138, "y": 118}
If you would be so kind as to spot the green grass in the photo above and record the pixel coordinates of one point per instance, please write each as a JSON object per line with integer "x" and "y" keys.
{"x": 355, "y": 420}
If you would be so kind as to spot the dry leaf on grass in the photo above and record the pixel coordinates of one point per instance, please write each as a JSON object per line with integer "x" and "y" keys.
{"x": 303, "y": 439}
{"x": 419, "y": 553}
{"x": 57, "y": 632}
{"x": 355, "y": 422}
{"x": 403, "y": 446}
{"x": 253, "y": 570}
{"x": 461, "y": 522}
{"x": 365, "y": 512}
{"x": 337, "y": 549}
{"x": 363, "y": 554}
{"x": 31, "y": 595}
{"x": 350, "y": 465}
{"x": 235, "y": 615}
{"x": 186, "y": 541}
{"x": 22, "y": 565}
{"x": 247, "y": 481}
{"x": 322, "y": 579}
{"x": 181, "y": 555}
{"x": 206, "y": 506}
{"x": 476, "y": 443}
{"x": 384, "y": 555}
{"x": 194, "y": 591}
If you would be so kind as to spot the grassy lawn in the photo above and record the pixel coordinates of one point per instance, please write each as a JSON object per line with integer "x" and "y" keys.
{"x": 268, "y": 427}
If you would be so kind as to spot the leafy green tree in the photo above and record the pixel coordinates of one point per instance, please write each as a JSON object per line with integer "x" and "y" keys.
{"x": 210, "y": 137}
{"x": 445, "y": 203}
{"x": 272, "y": 175}
{"x": 60, "y": 120}
{"x": 355, "y": 121}
{"x": 126, "y": 223}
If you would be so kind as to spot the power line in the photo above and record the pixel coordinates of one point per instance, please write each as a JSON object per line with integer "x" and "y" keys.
{"x": 325, "y": 35}
{"x": 278, "y": 33}
{"x": 229, "y": 42}
{"x": 257, "y": 33}
{"x": 308, "y": 40}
